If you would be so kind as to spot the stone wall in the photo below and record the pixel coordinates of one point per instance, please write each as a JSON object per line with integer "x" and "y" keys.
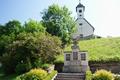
{"x": 111, "y": 66}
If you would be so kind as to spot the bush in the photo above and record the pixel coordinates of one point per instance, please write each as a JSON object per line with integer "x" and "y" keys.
{"x": 88, "y": 75}
{"x": 50, "y": 75}
{"x": 21, "y": 68}
{"x": 33, "y": 46}
{"x": 117, "y": 77}
{"x": 20, "y": 77}
{"x": 35, "y": 74}
{"x": 103, "y": 75}
{"x": 24, "y": 77}
{"x": 46, "y": 66}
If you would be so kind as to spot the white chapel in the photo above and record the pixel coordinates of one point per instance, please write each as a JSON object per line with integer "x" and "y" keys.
{"x": 84, "y": 28}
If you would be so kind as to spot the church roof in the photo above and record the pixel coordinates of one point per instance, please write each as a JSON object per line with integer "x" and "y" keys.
{"x": 88, "y": 23}
{"x": 80, "y": 5}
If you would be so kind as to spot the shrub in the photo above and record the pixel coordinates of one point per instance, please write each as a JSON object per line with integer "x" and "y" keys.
{"x": 46, "y": 66}
{"x": 88, "y": 75}
{"x": 117, "y": 77}
{"x": 20, "y": 77}
{"x": 35, "y": 74}
{"x": 103, "y": 75}
{"x": 50, "y": 75}
{"x": 20, "y": 68}
{"x": 33, "y": 46}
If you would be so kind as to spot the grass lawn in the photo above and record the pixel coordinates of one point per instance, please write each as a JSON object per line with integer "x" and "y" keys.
{"x": 105, "y": 49}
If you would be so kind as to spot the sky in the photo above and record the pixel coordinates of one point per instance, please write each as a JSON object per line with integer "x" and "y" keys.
{"x": 104, "y": 15}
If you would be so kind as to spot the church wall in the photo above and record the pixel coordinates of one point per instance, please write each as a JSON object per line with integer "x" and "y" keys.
{"x": 85, "y": 28}
{"x": 80, "y": 15}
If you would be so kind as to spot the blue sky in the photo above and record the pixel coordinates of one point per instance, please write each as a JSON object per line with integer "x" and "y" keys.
{"x": 104, "y": 15}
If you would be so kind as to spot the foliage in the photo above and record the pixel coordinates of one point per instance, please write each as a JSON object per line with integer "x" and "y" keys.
{"x": 33, "y": 26}
{"x": 2, "y": 30}
{"x": 35, "y": 74}
{"x": 21, "y": 68}
{"x": 88, "y": 75}
{"x": 58, "y": 22}
{"x": 45, "y": 66}
{"x": 50, "y": 75}
{"x": 13, "y": 26}
{"x": 33, "y": 47}
{"x": 103, "y": 75}
{"x": 117, "y": 77}
{"x": 4, "y": 41}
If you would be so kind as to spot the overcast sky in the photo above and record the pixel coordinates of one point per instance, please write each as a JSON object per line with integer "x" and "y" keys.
{"x": 104, "y": 15}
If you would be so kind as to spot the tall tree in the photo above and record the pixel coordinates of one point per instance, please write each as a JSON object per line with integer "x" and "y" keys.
{"x": 58, "y": 22}
{"x": 2, "y": 30}
{"x": 33, "y": 26}
{"x": 13, "y": 26}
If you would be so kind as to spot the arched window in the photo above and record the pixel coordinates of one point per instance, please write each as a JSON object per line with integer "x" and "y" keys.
{"x": 80, "y": 11}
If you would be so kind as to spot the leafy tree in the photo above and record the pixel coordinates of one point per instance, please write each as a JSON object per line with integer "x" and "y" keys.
{"x": 5, "y": 40}
{"x": 58, "y": 22}
{"x": 13, "y": 26}
{"x": 29, "y": 47}
{"x": 2, "y": 30}
{"x": 33, "y": 26}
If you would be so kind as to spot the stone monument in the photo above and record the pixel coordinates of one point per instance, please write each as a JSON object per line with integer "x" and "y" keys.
{"x": 76, "y": 61}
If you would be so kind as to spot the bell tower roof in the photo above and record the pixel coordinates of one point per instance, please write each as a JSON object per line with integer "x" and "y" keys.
{"x": 80, "y": 5}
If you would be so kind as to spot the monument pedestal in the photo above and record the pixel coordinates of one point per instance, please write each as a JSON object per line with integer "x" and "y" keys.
{"x": 75, "y": 62}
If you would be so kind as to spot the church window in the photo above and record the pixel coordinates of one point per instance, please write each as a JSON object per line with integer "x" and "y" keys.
{"x": 75, "y": 55}
{"x": 80, "y": 11}
{"x": 80, "y": 24}
{"x": 67, "y": 57}
{"x": 80, "y": 15}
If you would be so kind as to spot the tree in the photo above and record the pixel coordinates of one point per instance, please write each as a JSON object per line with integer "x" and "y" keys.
{"x": 2, "y": 30}
{"x": 27, "y": 48}
{"x": 58, "y": 22}
{"x": 33, "y": 26}
{"x": 5, "y": 40}
{"x": 13, "y": 26}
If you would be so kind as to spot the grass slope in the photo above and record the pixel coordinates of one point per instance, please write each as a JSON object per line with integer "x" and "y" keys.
{"x": 105, "y": 49}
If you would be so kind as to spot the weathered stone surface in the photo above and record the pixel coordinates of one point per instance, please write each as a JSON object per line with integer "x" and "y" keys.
{"x": 70, "y": 76}
{"x": 114, "y": 67}
{"x": 76, "y": 63}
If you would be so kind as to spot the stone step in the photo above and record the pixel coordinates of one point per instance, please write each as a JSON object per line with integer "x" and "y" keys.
{"x": 68, "y": 79}
{"x": 70, "y": 76}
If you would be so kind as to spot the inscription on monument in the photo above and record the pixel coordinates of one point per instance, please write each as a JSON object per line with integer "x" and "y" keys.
{"x": 83, "y": 56}
{"x": 67, "y": 57}
{"x": 75, "y": 55}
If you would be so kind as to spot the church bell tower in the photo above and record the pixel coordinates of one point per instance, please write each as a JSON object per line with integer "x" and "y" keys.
{"x": 80, "y": 10}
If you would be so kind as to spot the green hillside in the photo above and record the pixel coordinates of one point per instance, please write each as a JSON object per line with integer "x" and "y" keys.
{"x": 105, "y": 49}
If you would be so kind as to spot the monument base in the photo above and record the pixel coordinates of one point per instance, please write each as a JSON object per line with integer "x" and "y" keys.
{"x": 75, "y": 69}
{"x": 75, "y": 62}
